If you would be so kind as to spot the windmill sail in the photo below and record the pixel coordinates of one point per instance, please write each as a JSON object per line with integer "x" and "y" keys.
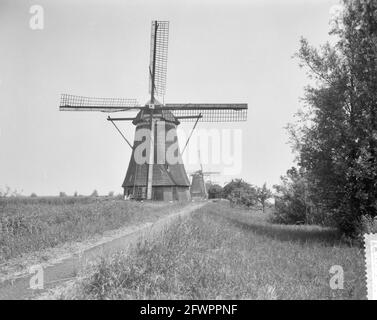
{"x": 208, "y": 173}
{"x": 70, "y": 102}
{"x": 158, "y": 57}
{"x": 210, "y": 112}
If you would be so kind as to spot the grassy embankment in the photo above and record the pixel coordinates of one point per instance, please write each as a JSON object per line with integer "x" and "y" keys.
{"x": 221, "y": 253}
{"x": 32, "y": 224}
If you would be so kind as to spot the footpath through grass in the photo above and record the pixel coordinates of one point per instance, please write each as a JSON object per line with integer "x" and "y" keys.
{"x": 225, "y": 253}
{"x": 32, "y": 224}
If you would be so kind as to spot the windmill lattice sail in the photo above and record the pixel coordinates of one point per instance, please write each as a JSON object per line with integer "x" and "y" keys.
{"x": 69, "y": 102}
{"x": 158, "y": 57}
{"x": 210, "y": 112}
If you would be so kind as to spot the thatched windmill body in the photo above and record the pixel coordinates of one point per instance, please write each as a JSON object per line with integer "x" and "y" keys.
{"x": 151, "y": 173}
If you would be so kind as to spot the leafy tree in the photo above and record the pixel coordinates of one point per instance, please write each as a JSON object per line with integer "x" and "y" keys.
{"x": 5, "y": 193}
{"x": 94, "y": 193}
{"x": 8, "y": 192}
{"x": 335, "y": 136}
{"x": 291, "y": 198}
{"x": 233, "y": 185}
{"x": 240, "y": 192}
{"x": 263, "y": 194}
{"x": 33, "y": 195}
{"x": 62, "y": 194}
{"x": 214, "y": 190}
{"x": 243, "y": 197}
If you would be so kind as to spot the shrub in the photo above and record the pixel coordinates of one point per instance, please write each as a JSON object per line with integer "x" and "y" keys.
{"x": 243, "y": 197}
{"x": 8, "y": 192}
{"x": 235, "y": 184}
{"x": 366, "y": 224}
{"x": 263, "y": 194}
{"x": 119, "y": 196}
{"x": 294, "y": 203}
{"x": 214, "y": 190}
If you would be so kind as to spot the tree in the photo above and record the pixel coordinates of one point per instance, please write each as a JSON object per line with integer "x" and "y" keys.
{"x": 214, "y": 190}
{"x": 5, "y": 193}
{"x": 233, "y": 185}
{"x": 94, "y": 193}
{"x": 62, "y": 194}
{"x": 8, "y": 192}
{"x": 335, "y": 136}
{"x": 240, "y": 192}
{"x": 111, "y": 194}
{"x": 291, "y": 203}
{"x": 33, "y": 195}
{"x": 263, "y": 194}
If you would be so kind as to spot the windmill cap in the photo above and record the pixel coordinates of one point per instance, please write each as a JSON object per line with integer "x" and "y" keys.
{"x": 160, "y": 114}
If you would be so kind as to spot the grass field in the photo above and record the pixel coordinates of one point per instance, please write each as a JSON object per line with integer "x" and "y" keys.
{"x": 31, "y": 224}
{"x": 226, "y": 253}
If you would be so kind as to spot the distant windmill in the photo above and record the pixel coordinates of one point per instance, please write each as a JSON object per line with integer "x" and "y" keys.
{"x": 198, "y": 187}
{"x": 153, "y": 179}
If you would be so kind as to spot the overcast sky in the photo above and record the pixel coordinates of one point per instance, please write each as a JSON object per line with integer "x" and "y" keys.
{"x": 219, "y": 51}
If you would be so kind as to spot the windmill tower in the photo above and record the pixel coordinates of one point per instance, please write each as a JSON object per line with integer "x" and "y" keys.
{"x": 153, "y": 173}
{"x": 198, "y": 187}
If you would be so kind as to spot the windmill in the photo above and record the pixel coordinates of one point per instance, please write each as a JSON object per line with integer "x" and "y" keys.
{"x": 198, "y": 187}
{"x": 147, "y": 176}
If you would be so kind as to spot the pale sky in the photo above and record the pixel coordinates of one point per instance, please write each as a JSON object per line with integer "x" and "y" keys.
{"x": 219, "y": 51}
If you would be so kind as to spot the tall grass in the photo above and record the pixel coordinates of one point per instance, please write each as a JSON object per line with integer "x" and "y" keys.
{"x": 30, "y": 224}
{"x": 223, "y": 253}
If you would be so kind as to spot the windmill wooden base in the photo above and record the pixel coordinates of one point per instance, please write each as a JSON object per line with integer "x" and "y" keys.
{"x": 168, "y": 180}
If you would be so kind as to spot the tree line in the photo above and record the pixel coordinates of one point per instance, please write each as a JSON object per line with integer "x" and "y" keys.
{"x": 335, "y": 135}
{"x": 241, "y": 193}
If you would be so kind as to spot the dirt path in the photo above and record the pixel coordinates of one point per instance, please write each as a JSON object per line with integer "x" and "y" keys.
{"x": 65, "y": 269}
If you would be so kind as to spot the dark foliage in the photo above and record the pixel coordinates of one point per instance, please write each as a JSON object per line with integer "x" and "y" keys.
{"x": 336, "y": 135}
